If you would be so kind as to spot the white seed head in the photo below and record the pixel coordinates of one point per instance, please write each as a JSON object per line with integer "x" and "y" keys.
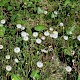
{"x": 50, "y": 48}
{"x": 43, "y": 37}
{"x": 1, "y": 46}
{"x": 70, "y": 32}
{"x": 73, "y": 60}
{"x": 72, "y": 52}
{"x": 51, "y": 29}
{"x": 39, "y": 64}
{"x": 46, "y": 33}
{"x": 45, "y": 12}
{"x": 68, "y": 69}
{"x": 44, "y": 51}
{"x": 23, "y": 34}
{"x": 65, "y": 37}
{"x": 16, "y": 49}
{"x": 55, "y": 12}
{"x": 35, "y": 34}
{"x": 16, "y": 60}
{"x": 19, "y": 26}
{"x": 38, "y": 41}
{"x": 22, "y": 28}
{"x": 7, "y": 56}
{"x": 3, "y": 21}
{"x": 61, "y": 24}
{"x": 55, "y": 34}
{"x": 78, "y": 37}
{"x": 25, "y": 38}
{"x": 8, "y": 67}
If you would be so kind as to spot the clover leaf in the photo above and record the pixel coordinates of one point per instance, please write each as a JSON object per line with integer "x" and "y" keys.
{"x": 40, "y": 28}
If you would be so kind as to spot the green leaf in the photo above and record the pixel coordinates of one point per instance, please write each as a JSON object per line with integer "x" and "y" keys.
{"x": 53, "y": 15}
{"x": 29, "y": 30}
{"x": 71, "y": 29}
{"x": 67, "y": 51}
{"x": 9, "y": 8}
{"x": 39, "y": 10}
{"x": 79, "y": 76}
{"x": 35, "y": 74}
{"x": 68, "y": 32}
{"x": 74, "y": 4}
{"x": 2, "y": 31}
{"x": 3, "y": 2}
{"x": 15, "y": 77}
{"x": 67, "y": 2}
{"x": 40, "y": 28}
